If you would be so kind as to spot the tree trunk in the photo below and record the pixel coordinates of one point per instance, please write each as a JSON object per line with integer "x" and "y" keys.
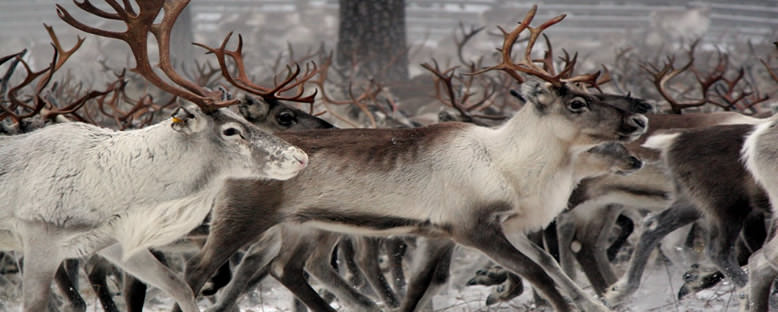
{"x": 372, "y": 34}
{"x": 181, "y": 38}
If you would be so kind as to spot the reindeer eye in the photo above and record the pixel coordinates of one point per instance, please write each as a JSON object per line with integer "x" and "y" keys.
{"x": 286, "y": 118}
{"x": 230, "y": 131}
{"x": 577, "y": 105}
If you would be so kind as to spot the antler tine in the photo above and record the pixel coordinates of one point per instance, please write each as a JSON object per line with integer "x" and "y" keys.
{"x": 526, "y": 65}
{"x": 668, "y": 72}
{"x": 466, "y": 36}
{"x": 64, "y": 55}
{"x": 12, "y": 56}
{"x": 31, "y": 76}
{"x": 445, "y": 78}
{"x": 117, "y": 86}
{"x": 9, "y": 72}
{"x": 548, "y": 57}
{"x": 139, "y": 25}
{"x": 243, "y": 82}
{"x": 770, "y": 71}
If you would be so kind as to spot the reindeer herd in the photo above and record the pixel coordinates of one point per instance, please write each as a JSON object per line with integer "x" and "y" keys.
{"x": 268, "y": 189}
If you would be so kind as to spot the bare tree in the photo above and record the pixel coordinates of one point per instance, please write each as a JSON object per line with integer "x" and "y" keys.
{"x": 182, "y": 37}
{"x": 372, "y": 35}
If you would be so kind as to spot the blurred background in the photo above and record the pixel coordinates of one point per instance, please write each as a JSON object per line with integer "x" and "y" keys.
{"x": 387, "y": 40}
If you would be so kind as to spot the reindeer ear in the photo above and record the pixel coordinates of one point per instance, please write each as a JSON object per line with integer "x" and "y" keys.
{"x": 225, "y": 94}
{"x": 187, "y": 119}
{"x": 538, "y": 93}
{"x": 253, "y": 109}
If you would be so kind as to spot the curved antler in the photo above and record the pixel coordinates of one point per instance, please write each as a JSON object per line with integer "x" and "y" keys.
{"x": 243, "y": 82}
{"x": 527, "y": 64}
{"x": 139, "y": 25}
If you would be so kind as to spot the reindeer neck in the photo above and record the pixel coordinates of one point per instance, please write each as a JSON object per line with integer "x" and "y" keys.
{"x": 527, "y": 142}
{"x": 162, "y": 154}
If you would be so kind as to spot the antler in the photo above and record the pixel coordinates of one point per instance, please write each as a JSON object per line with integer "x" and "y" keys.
{"x": 591, "y": 80}
{"x": 527, "y": 65}
{"x": 369, "y": 93}
{"x": 445, "y": 78}
{"x": 733, "y": 97}
{"x": 668, "y": 72}
{"x": 243, "y": 82}
{"x": 770, "y": 71}
{"x": 139, "y": 25}
{"x": 58, "y": 59}
{"x": 466, "y": 36}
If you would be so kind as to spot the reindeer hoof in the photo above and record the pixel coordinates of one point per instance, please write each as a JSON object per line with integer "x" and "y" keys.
{"x": 616, "y": 294}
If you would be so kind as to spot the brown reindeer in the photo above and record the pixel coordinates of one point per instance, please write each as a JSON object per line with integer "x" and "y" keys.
{"x": 475, "y": 185}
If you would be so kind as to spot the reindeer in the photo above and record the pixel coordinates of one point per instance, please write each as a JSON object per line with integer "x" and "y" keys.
{"x": 758, "y": 154}
{"x": 43, "y": 108}
{"x": 597, "y": 202}
{"x": 725, "y": 199}
{"x": 503, "y": 177}
{"x": 161, "y": 179}
{"x": 268, "y": 114}
{"x": 608, "y": 196}
{"x": 609, "y": 157}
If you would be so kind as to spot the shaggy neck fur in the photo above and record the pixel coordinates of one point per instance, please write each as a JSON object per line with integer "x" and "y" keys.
{"x": 539, "y": 166}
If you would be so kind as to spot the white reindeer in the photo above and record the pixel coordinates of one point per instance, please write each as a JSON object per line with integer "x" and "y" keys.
{"x": 759, "y": 153}
{"x": 74, "y": 189}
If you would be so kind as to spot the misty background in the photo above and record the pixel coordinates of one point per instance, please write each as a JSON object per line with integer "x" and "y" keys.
{"x": 285, "y": 31}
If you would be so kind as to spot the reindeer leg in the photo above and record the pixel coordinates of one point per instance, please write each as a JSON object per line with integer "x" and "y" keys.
{"x": 680, "y": 213}
{"x": 594, "y": 243}
{"x": 67, "y": 284}
{"x": 627, "y": 227}
{"x": 41, "y": 261}
{"x": 319, "y": 266}
{"x": 763, "y": 270}
{"x": 348, "y": 254}
{"x": 241, "y": 216}
{"x": 485, "y": 233}
{"x": 367, "y": 260}
{"x": 430, "y": 272}
{"x": 97, "y": 268}
{"x": 396, "y": 249}
{"x": 549, "y": 265}
{"x": 256, "y": 259}
{"x": 721, "y": 249}
{"x": 288, "y": 269}
{"x": 147, "y": 268}
{"x": 134, "y": 290}
{"x": 566, "y": 229}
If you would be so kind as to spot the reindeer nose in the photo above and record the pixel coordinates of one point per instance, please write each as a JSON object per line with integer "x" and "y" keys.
{"x": 301, "y": 157}
{"x": 639, "y": 121}
{"x": 635, "y": 163}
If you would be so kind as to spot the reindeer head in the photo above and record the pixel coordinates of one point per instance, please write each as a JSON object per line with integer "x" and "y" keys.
{"x": 272, "y": 115}
{"x": 203, "y": 123}
{"x": 558, "y": 98}
{"x": 611, "y": 157}
{"x": 583, "y": 118}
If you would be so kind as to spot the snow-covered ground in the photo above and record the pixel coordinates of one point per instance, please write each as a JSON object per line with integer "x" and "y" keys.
{"x": 657, "y": 293}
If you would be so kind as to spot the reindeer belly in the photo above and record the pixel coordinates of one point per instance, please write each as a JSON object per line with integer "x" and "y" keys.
{"x": 366, "y": 224}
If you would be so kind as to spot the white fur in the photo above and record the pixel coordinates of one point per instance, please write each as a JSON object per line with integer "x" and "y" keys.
{"x": 142, "y": 188}
{"x": 750, "y": 155}
{"x": 660, "y": 142}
